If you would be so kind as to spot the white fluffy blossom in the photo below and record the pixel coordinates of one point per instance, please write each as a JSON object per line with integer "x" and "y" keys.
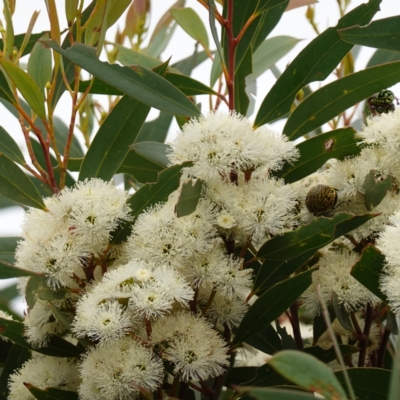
{"x": 76, "y": 227}
{"x": 119, "y": 370}
{"x": 191, "y": 345}
{"x": 333, "y": 275}
{"x": 220, "y": 143}
{"x": 42, "y": 372}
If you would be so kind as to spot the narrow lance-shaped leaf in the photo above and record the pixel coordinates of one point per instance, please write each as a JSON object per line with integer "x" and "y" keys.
{"x": 153, "y": 151}
{"x": 334, "y": 98}
{"x": 189, "y": 197}
{"x": 137, "y": 82}
{"x": 51, "y": 393}
{"x": 17, "y": 186}
{"x": 368, "y": 270}
{"x": 27, "y": 86}
{"x": 274, "y": 394}
{"x": 374, "y": 190}
{"x": 271, "y": 305}
{"x": 314, "y": 152}
{"x": 150, "y": 194}
{"x": 314, "y": 63}
{"x": 314, "y": 235}
{"x": 191, "y": 23}
{"x": 309, "y": 373}
{"x": 383, "y": 33}
{"x": 10, "y": 148}
{"x": 111, "y": 143}
{"x": 56, "y": 346}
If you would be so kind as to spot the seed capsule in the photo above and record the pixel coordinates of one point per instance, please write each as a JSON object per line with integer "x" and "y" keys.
{"x": 321, "y": 198}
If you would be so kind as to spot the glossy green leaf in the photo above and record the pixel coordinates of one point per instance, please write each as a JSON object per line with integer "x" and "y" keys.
{"x": 192, "y": 24}
{"x": 309, "y": 373}
{"x": 267, "y": 341}
{"x": 18, "y": 40}
{"x": 27, "y": 87}
{"x": 314, "y": 152}
{"x": 383, "y": 56}
{"x": 5, "y": 91}
{"x": 242, "y": 100}
{"x": 187, "y": 64}
{"x": 10, "y": 148}
{"x": 272, "y": 272}
{"x": 17, "y": 186}
{"x": 16, "y": 357}
{"x": 275, "y": 394}
{"x": 273, "y": 303}
{"x": 40, "y": 64}
{"x": 150, "y": 194}
{"x": 156, "y": 130}
{"x": 153, "y": 151}
{"x": 255, "y": 376}
{"x": 35, "y": 284}
{"x": 56, "y": 346}
{"x": 383, "y": 33}
{"x": 189, "y": 197}
{"x": 375, "y": 191}
{"x": 270, "y": 52}
{"x": 141, "y": 169}
{"x": 159, "y": 42}
{"x": 314, "y": 63}
{"x": 328, "y": 355}
{"x": 137, "y": 82}
{"x": 368, "y": 270}
{"x": 367, "y": 383}
{"x": 110, "y": 145}
{"x": 268, "y": 4}
{"x": 127, "y": 56}
{"x": 341, "y": 313}
{"x": 9, "y": 271}
{"x": 336, "y": 97}
{"x": 188, "y": 85}
{"x": 7, "y": 249}
{"x": 51, "y": 393}
{"x": 318, "y": 233}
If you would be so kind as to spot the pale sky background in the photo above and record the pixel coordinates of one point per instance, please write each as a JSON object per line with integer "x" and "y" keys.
{"x": 293, "y": 24}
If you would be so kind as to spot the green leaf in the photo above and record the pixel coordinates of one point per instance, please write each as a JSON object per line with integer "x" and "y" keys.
{"x": 336, "y": 97}
{"x": 18, "y": 40}
{"x": 314, "y": 63}
{"x": 150, "y": 194}
{"x": 10, "y": 148}
{"x": 270, "y": 52}
{"x": 328, "y": 355}
{"x": 7, "y": 249}
{"x": 110, "y": 145}
{"x": 17, "y": 186}
{"x": 51, "y": 393}
{"x": 192, "y": 24}
{"x": 188, "y": 85}
{"x": 16, "y": 357}
{"x": 271, "y": 305}
{"x": 242, "y": 100}
{"x": 155, "y": 130}
{"x": 5, "y": 91}
{"x": 40, "y": 65}
{"x": 27, "y": 86}
{"x": 275, "y": 394}
{"x": 314, "y": 152}
{"x": 34, "y": 284}
{"x": 368, "y": 270}
{"x": 189, "y": 197}
{"x": 153, "y": 151}
{"x": 375, "y": 191}
{"x": 382, "y": 57}
{"x": 140, "y": 168}
{"x": 186, "y": 65}
{"x": 367, "y": 383}
{"x": 383, "y": 33}
{"x": 137, "y": 82}
{"x": 341, "y": 313}
{"x": 318, "y": 233}
{"x": 56, "y": 346}
{"x": 309, "y": 373}
{"x": 267, "y": 341}
{"x": 394, "y": 385}
{"x": 272, "y": 272}
{"x": 9, "y": 271}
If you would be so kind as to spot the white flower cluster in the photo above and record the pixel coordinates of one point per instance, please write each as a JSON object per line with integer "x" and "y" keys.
{"x": 175, "y": 288}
